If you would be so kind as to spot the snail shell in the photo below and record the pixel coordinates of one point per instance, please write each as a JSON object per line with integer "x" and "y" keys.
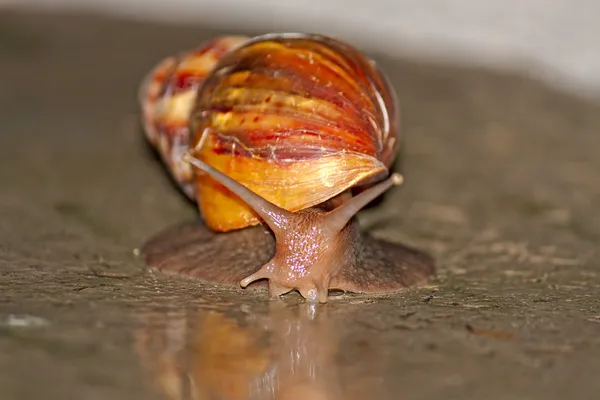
{"x": 296, "y": 118}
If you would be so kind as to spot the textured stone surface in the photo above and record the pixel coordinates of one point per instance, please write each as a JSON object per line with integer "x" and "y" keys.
{"x": 501, "y": 185}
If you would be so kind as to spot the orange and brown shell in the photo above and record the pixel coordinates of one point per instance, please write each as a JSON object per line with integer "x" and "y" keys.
{"x": 297, "y": 118}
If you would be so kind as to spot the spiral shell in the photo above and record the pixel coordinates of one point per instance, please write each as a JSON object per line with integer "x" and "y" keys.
{"x": 167, "y": 96}
{"x": 296, "y": 118}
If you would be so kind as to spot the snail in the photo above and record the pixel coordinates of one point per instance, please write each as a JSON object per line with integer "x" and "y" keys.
{"x": 280, "y": 139}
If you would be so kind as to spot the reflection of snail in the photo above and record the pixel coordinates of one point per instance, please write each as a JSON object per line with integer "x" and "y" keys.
{"x": 202, "y": 357}
{"x": 284, "y": 129}
{"x": 291, "y": 353}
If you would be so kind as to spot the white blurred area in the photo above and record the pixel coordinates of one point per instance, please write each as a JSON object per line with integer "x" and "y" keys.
{"x": 557, "y": 40}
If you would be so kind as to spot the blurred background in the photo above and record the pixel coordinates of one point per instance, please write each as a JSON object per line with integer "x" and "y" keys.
{"x": 555, "y": 40}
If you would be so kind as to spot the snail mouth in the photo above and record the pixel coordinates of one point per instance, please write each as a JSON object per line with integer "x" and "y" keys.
{"x": 313, "y": 290}
{"x": 311, "y": 294}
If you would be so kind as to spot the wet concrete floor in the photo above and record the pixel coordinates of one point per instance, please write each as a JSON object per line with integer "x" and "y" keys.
{"x": 501, "y": 186}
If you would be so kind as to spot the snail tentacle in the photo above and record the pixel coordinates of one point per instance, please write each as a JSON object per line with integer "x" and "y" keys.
{"x": 273, "y": 215}
{"x": 336, "y": 219}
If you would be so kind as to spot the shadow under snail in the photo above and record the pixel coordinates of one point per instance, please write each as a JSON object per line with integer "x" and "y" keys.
{"x": 294, "y": 131}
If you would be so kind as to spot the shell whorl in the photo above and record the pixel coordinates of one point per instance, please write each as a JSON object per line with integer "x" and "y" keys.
{"x": 296, "y": 118}
{"x": 167, "y": 96}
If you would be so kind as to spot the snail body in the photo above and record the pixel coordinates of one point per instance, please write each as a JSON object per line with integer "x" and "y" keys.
{"x": 295, "y": 131}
